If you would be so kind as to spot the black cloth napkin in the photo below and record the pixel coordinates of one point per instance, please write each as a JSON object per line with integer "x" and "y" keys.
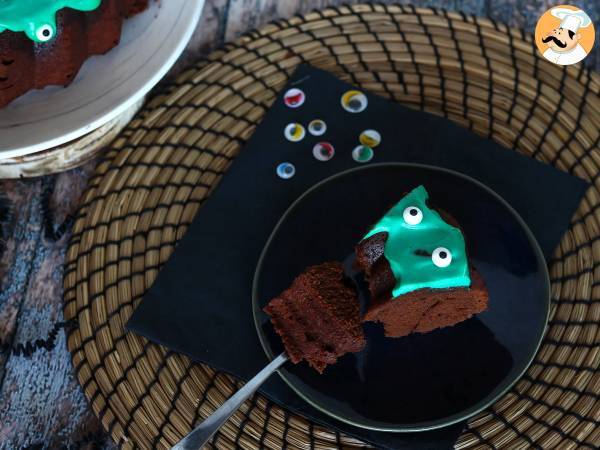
{"x": 200, "y": 303}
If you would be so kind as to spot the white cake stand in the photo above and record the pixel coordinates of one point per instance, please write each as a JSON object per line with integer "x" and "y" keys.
{"x": 41, "y": 122}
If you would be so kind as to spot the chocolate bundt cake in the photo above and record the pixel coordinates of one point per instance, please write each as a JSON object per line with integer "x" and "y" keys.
{"x": 40, "y": 46}
{"x": 415, "y": 262}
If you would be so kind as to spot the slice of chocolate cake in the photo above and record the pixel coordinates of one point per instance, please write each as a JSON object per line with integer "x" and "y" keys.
{"x": 318, "y": 316}
{"x": 415, "y": 262}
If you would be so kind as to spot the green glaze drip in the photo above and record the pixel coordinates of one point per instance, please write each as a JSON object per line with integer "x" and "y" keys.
{"x": 37, "y": 17}
{"x": 409, "y": 248}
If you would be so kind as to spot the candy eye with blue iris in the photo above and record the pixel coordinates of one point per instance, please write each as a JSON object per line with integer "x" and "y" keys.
{"x": 323, "y": 151}
{"x": 317, "y": 127}
{"x": 412, "y": 215}
{"x": 294, "y": 132}
{"x": 441, "y": 257}
{"x": 354, "y": 101}
{"x": 286, "y": 170}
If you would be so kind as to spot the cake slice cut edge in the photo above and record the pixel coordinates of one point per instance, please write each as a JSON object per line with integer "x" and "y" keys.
{"x": 318, "y": 317}
{"x": 425, "y": 310}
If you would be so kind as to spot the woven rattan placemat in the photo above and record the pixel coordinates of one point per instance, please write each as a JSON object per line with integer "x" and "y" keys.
{"x": 153, "y": 180}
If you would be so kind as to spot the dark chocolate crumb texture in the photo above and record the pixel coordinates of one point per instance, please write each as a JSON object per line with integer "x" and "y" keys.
{"x": 318, "y": 316}
{"x": 416, "y": 265}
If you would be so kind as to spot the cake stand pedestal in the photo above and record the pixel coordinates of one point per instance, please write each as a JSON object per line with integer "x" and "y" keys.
{"x": 69, "y": 155}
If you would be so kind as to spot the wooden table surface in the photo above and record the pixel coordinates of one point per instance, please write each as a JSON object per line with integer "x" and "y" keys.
{"x": 41, "y": 403}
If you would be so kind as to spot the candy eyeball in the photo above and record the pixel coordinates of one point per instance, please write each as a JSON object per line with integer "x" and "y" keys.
{"x": 317, "y": 127}
{"x": 441, "y": 257}
{"x": 286, "y": 170}
{"x": 370, "y": 138}
{"x": 354, "y": 101}
{"x": 44, "y": 33}
{"x": 294, "y": 98}
{"x": 362, "y": 154}
{"x": 294, "y": 132}
{"x": 412, "y": 215}
{"x": 323, "y": 151}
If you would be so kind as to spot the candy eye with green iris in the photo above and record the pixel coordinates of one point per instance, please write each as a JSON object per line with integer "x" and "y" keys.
{"x": 412, "y": 215}
{"x": 441, "y": 257}
{"x": 362, "y": 154}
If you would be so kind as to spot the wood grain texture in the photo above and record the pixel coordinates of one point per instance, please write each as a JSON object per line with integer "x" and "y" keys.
{"x": 41, "y": 403}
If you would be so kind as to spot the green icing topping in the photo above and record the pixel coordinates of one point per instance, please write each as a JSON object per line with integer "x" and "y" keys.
{"x": 423, "y": 250}
{"x": 37, "y": 17}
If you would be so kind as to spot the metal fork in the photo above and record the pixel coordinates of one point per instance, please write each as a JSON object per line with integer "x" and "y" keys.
{"x": 200, "y": 435}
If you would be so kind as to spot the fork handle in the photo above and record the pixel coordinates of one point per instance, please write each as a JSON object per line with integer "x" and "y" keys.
{"x": 200, "y": 435}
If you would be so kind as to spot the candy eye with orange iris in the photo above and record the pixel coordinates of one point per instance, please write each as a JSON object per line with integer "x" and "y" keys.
{"x": 294, "y": 132}
{"x": 323, "y": 151}
{"x": 294, "y": 98}
{"x": 370, "y": 138}
{"x": 354, "y": 101}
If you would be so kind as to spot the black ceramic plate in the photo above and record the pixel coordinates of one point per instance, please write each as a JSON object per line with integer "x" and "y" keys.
{"x": 422, "y": 381}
